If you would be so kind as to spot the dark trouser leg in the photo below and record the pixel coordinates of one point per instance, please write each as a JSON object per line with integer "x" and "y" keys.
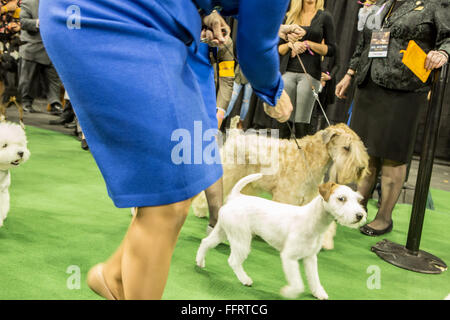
{"x": 54, "y": 85}
{"x": 27, "y": 71}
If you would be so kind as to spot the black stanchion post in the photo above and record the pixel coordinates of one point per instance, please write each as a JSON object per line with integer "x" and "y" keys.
{"x": 409, "y": 256}
{"x": 426, "y": 161}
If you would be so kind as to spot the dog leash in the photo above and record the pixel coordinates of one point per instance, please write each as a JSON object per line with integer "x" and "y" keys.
{"x": 316, "y": 96}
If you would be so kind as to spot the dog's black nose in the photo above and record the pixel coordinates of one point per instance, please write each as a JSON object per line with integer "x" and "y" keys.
{"x": 20, "y": 154}
{"x": 359, "y": 216}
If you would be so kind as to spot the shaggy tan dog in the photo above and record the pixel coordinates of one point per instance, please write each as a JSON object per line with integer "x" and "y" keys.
{"x": 291, "y": 175}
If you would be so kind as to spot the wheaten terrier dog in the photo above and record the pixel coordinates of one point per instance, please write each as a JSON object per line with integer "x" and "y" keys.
{"x": 296, "y": 232}
{"x": 291, "y": 175}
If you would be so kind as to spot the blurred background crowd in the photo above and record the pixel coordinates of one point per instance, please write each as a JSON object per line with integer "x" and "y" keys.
{"x": 331, "y": 29}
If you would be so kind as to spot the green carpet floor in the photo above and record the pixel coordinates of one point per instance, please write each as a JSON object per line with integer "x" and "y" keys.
{"x": 61, "y": 216}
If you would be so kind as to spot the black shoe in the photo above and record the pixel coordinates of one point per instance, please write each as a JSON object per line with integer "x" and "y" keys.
{"x": 66, "y": 117}
{"x": 84, "y": 145}
{"x": 368, "y": 231}
{"x": 70, "y": 125}
{"x": 56, "y": 109}
{"x": 29, "y": 109}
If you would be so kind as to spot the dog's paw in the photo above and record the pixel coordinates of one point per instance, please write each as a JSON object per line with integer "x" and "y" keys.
{"x": 201, "y": 263}
{"x": 200, "y": 213}
{"x": 245, "y": 279}
{"x": 328, "y": 244}
{"x": 290, "y": 292}
{"x": 320, "y": 294}
{"x": 247, "y": 282}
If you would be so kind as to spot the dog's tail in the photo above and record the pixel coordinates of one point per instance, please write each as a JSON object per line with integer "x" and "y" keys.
{"x": 242, "y": 183}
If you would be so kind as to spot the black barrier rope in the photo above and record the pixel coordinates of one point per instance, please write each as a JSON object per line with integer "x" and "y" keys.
{"x": 410, "y": 257}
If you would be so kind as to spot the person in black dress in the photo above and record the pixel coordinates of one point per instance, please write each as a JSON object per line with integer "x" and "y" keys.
{"x": 389, "y": 96}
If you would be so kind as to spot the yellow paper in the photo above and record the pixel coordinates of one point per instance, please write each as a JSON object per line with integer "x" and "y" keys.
{"x": 226, "y": 69}
{"x": 16, "y": 14}
{"x": 414, "y": 58}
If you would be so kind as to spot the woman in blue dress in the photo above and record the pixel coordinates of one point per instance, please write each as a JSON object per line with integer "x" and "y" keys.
{"x": 143, "y": 90}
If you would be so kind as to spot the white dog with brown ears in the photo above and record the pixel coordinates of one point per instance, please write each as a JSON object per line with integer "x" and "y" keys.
{"x": 297, "y": 232}
{"x": 13, "y": 152}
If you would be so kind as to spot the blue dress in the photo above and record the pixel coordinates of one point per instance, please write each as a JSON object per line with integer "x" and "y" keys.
{"x": 142, "y": 87}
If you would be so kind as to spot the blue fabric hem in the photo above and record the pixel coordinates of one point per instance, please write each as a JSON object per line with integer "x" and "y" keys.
{"x": 164, "y": 198}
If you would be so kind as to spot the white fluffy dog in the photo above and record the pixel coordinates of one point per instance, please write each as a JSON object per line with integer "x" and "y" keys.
{"x": 297, "y": 232}
{"x": 13, "y": 152}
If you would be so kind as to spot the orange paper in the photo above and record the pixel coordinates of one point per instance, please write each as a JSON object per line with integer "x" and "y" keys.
{"x": 414, "y": 58}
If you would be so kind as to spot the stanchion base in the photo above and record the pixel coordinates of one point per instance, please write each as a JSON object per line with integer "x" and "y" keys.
{"x": 399, "y": 256}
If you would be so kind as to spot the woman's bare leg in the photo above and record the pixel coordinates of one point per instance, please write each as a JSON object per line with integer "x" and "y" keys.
{"x": 112, "y": 272}
{"x": 140, "y": 266}
{"x": 148, "y": 249}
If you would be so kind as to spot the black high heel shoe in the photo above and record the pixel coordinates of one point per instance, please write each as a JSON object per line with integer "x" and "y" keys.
{"x": 368, "y": 231}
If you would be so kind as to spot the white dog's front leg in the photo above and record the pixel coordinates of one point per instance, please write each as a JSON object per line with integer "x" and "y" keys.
{"x": 328, "y": 238}
{"x": 291, "y": 270}
{"x": 312, "y": 275}
{"x": 4, "y": 205}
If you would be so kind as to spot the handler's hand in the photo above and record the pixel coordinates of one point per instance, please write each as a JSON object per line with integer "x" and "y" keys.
{"x": 297, "y": 48}
{"x": 324, "y": 78}
{"x": 282, "y": 111}
{"x": 14, "y": 27}
{"x": 342, "y": 87}
{"x": 218, "y": 31}
{"x": 291, "y": 33}
{"x": 435, "y": 60}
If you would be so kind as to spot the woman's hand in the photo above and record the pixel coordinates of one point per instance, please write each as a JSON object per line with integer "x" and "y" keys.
{"x": 13, "y": 26}
{"x": 342, "y": 87}
{"x": 282, "y": 111}
{"x": 297, "y": 48}
{"x": 324, "y": 78}
{"x": 435, "y": 60}
{"x": 217, "y": 32}
{"x": 291, "y": 33}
